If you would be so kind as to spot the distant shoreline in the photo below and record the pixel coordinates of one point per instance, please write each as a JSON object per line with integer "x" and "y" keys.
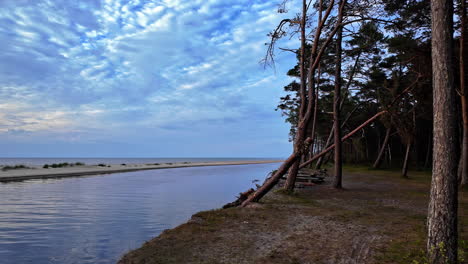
{"x": 77, "y": 171}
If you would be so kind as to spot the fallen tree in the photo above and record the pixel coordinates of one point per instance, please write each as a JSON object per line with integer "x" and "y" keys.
{"x": 273, "y": 180}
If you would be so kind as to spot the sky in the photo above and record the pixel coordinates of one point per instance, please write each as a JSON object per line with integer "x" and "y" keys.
{"x": 135, "y": 78}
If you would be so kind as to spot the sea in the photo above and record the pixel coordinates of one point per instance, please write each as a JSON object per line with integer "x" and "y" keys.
{"x": 97, "y": 219}
{"x": 110, "y": 161}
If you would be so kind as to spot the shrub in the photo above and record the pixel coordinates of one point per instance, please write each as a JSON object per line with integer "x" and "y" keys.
{"x": 16, "y": 167}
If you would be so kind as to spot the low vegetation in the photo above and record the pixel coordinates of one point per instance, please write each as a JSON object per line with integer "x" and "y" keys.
{"x": 62, "y": 165}
{"x": 14, "y": 167}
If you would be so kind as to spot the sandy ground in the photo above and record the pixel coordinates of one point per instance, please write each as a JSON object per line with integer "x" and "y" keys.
{"x": 378, "y": 219}
{"x": 86, "y": 170}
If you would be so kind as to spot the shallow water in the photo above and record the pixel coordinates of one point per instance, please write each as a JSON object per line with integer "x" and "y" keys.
{"x": 97, "y": 219}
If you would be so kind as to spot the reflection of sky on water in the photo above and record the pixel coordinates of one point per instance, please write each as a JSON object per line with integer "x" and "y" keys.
{"x": 97, "y": 219}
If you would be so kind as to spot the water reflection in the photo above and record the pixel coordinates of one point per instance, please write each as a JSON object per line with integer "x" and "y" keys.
{"x": 97, "y": 219}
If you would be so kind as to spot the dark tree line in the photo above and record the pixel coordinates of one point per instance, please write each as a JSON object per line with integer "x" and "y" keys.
{"x": 380, "y": 83}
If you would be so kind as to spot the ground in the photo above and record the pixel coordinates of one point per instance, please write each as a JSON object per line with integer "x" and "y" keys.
{"x": 378, "y": 218}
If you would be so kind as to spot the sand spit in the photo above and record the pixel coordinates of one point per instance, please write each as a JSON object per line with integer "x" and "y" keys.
{"x": 87, "y": 170}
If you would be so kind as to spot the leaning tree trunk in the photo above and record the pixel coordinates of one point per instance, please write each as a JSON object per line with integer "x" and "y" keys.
{"x": 378, "y": 161}
{"x": 404, "y": 170}
{"x": 291, "y": 179}
{"x": 463, "y": 92}
{"x": 306, "y": 109}
{"x": 442, "y": 212}
{"x": 301, "y": 143}
{"x": 350, "y": 134}
{"x": 292, "y": 175}
{"x": 337, "y": 182}
{"x": 273, "y": 180}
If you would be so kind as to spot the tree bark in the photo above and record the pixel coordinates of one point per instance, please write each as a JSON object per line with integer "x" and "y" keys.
{"x": 337, "y": 181}
{"x": 383, "y": 147}
{"x": 442, "y": 212}
{"x": 463, "y": 92}
{"x": 404, "y": 170}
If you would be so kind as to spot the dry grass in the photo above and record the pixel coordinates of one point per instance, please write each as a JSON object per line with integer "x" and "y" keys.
{"x": 378, "y": 218}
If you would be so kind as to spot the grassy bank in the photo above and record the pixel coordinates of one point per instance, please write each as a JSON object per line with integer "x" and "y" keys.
{"x": 378, "y": 218}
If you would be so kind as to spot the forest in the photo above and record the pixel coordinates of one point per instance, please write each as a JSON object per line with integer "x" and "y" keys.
{"x": 381, "y": 83}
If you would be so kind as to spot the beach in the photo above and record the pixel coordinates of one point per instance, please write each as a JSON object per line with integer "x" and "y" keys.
{"x": 39, "y": 172}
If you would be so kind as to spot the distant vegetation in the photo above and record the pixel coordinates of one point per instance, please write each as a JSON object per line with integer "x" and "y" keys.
{"x": 15, "y": 167}
{"x": 62, "y": 165}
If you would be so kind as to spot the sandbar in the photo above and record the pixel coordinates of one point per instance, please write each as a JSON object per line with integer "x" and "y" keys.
{"x": 87, "y": 170}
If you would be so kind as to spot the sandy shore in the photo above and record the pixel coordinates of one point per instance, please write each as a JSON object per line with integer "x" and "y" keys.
{"x": 86, "y": 170}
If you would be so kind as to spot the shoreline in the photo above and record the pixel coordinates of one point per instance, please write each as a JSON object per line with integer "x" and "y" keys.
{"x": 89, "y": 170}
{"x": 378, "y": 218}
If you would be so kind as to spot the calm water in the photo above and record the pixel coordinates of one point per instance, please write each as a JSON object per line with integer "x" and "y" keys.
{"x": 91, "y": 161}
{"x": 97, "y": 219}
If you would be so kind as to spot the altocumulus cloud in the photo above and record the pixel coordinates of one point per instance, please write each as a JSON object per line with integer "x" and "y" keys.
{"x": 139, "y": 78}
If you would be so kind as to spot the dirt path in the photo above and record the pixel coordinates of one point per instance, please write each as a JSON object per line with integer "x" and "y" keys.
{"x": 378, "y": 218}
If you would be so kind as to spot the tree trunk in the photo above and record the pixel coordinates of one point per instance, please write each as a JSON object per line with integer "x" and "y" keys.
{"x": 463, "y": 92}
{"x": 378, "y": 161}
{"x": 337, "y": 182}
{"x": 315, "y": 57}
{"x": 330, "y": 136}
{"x": 327, "y": 144}
{"x": 442, "y": 212}
{"x": 292, "y": 175}
{"x": 272, "y": 181}
{"x": 404, "y": 170}
{"x": 314, "y": 118}
{"x": 298, "y": 143}
{"x": 301, "y": 143}
{"x": 350, "y": 134}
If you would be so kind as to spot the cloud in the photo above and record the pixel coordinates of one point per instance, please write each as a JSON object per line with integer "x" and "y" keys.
{"x": 88, "y": 66}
